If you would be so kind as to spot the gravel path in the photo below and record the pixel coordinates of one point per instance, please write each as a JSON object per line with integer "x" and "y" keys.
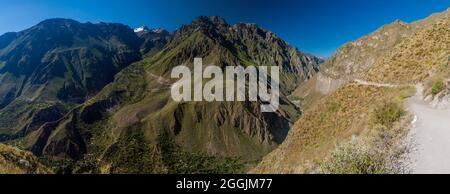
{"x": 366, "y": 83}
{"x": 430, "y": 135}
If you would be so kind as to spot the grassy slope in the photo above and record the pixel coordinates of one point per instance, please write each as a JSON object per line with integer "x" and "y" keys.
{"x": 346, "y": 112}
{"x": 15, "y": 161}
{"x": 137, "y": 108}
{"x": 334, "y": 119}
{"x": 424, "y": 55}
{"x": 355, "y": 58}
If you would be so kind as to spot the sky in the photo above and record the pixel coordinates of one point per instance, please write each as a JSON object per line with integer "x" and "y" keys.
{"x": 318, "y": 27}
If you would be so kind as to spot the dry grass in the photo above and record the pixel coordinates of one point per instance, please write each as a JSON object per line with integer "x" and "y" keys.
{"x": 345, "y": 113}
{"x": 381, "y": 150}
{"x": 423, "y": 55}
{"x": 349, "y": 112}
{"x": 15, "y": 161}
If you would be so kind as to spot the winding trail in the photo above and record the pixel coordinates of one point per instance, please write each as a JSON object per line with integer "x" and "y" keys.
{"x": 366, "y": 83}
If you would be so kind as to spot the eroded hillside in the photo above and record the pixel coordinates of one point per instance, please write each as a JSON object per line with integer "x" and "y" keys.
{"x": 188, "y": 137}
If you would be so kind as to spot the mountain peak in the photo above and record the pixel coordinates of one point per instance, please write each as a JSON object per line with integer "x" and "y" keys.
{"x": 399, "y": 22}
{"x": 58, "y": 21}
{"x": 212, "y": 20}
{"x": 144, "y": 30}
{"x": 141, "y": 29}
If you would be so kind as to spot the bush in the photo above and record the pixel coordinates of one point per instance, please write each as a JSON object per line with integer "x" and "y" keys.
{"x": 375, "y": 152}
{"x": 388, "y": 114}
{"x": 133, "y": 155}
{"x": 437, "y": 87}
{"x": 356, "y": 158}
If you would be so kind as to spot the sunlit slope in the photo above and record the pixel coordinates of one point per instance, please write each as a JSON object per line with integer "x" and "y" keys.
{"x": 348, "y": 112}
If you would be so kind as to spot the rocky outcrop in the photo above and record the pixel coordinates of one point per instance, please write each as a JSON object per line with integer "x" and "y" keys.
{"x": 15, "y": 161}
{"x": 441, "y": 100}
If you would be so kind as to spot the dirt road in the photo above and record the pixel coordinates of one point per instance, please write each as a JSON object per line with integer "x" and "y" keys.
{"x": 430, "y": 136}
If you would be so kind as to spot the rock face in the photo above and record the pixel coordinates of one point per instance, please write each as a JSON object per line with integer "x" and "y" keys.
{"x": 442, "y": 99}
{"x": 139, "y": 101}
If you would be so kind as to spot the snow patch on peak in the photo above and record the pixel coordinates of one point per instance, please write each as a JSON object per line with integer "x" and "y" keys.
{"x": 145, "y": 29}
{"x": 141, "y": 29}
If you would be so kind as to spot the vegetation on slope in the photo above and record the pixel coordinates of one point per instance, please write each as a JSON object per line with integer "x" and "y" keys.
{"x": 333, "y": 120}
{"x": 15, "y": 161}
{"x": 378, "y": 151}
{"x": 50, "y": 68}
{"x": 348, "y": 112}
{"x": 424, "y": 55}
{"x": 204, "y": 137}
{"x": 354, "y": 59}
{"x": 437, "y": 87}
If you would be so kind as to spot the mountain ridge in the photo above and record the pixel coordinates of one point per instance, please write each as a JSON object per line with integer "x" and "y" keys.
{"x": 136, "y": 105}
{"x": 51, "y": 67}
{"x": 317, "y": 138}
{"x": 356, "y": 57}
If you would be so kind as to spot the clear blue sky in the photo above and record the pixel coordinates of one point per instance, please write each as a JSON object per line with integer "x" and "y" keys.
{"x": 315, "y": 26}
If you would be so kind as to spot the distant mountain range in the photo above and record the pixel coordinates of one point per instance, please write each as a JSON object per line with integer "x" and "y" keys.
{"x": 95, "y": 98}
{"x": 97, "y": 94}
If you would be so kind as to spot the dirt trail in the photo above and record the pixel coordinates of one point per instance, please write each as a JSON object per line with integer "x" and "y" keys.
{"x": 430, "y": 136}
{"x": 366, "y": 83}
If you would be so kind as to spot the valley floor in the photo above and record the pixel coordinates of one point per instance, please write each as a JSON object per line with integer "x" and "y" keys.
{"x": 430, "y": 136}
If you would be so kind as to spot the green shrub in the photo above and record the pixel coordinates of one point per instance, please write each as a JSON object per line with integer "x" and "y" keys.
{"x": 374, "y": 152}
{"x": 133, "y": 155}
{"x": 178, "y": 161}
{"x": 334, "y": 107}
{"x": 296, "y": 98}
{"x": 437, "y": 87}
{"x": 388, "y": 114}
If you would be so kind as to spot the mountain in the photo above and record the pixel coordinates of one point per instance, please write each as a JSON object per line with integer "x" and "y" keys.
{"x": 141, "y": 29}
{"x": 353, "y": 127}
{"x": 356, "y": 57}
{"x": 353, "y": 59}
{"x": 53, "y": 66}
{"x": 7, "y": 38}
{"x": 135, "y": 119}
{"x": 153, "y": 39}
{"x": 53, "y": 48}
{"x": 15, "y": 161}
